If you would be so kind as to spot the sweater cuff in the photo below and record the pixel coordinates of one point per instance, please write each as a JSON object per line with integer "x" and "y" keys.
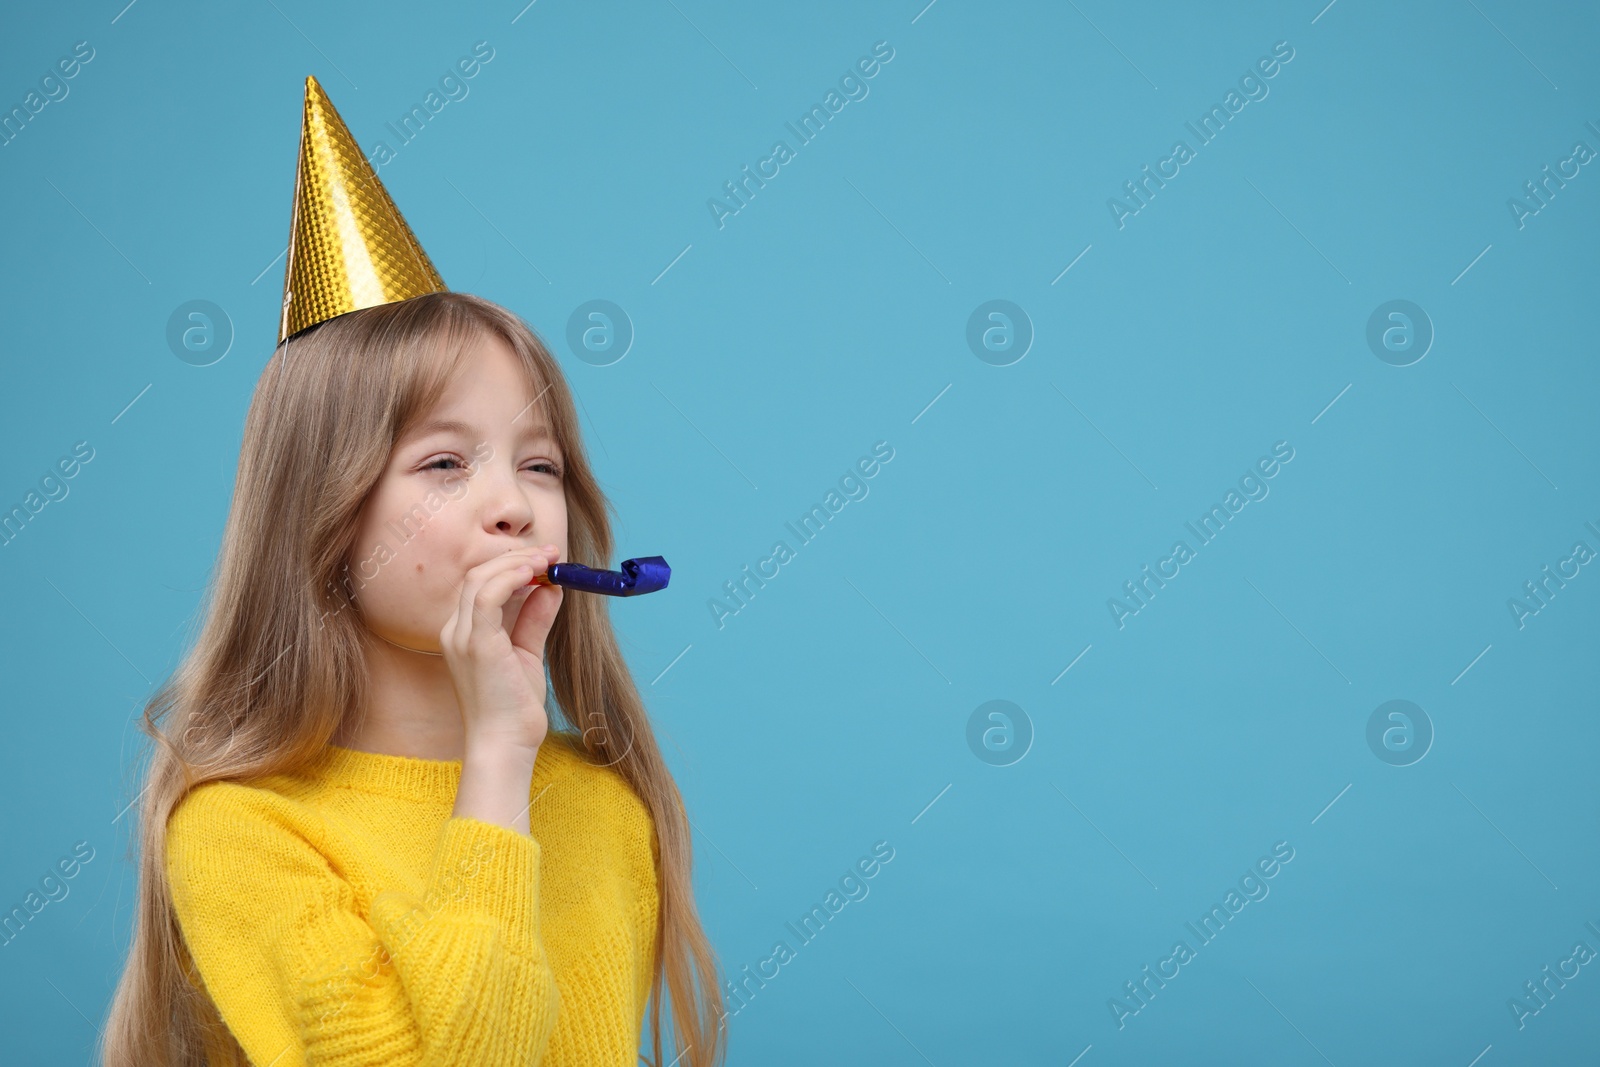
{"x": 481, "y": 868}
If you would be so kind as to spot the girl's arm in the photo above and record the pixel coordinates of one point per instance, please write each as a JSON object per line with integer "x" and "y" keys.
{"x": 495, "y": 783}
{"x": 454, "y": 975}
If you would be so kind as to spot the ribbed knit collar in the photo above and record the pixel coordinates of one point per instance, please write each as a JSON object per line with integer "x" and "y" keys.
{"x": 424, "y": 779}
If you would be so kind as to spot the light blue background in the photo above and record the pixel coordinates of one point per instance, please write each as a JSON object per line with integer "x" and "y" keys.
{"x": 1229, "y": 314}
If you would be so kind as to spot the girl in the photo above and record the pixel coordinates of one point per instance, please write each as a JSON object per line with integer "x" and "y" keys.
{"x": 362, "y": 841}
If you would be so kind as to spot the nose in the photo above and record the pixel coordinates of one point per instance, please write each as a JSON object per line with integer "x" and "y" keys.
{"x": 507, "y": 509}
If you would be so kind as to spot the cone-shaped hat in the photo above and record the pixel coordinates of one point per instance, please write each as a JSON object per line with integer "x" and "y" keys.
{"x": 349, "y": 247}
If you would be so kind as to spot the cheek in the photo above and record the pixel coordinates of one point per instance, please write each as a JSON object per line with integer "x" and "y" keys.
{"x": 553, "y": 523}
{"x": 428, "y": 556}
{"x": 404, "y": 553}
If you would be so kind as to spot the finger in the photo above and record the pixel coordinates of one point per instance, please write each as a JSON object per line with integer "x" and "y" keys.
{"x": 540, "y": 559}
{"x": 531, "y": 629}
{"x": 551, "y": 556}
{"x": 492, "y": 596}
{"x": 469, "y": 590}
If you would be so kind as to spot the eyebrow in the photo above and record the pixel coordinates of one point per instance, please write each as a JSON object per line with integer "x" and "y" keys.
{"x": 433, "y": 426}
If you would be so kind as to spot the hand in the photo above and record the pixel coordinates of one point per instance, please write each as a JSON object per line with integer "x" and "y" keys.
{"x": 499, "y": 675}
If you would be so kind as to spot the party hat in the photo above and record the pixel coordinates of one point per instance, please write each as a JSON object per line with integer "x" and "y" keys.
{"x": 349, "y": 246}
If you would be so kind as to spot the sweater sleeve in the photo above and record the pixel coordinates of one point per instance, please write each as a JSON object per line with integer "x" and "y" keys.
{"x": 454, "y": 975}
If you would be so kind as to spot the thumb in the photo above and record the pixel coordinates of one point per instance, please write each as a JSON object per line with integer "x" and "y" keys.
{"x": 537, "y": 616}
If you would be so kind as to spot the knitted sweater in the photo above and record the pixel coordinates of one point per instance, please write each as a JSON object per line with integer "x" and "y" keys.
{"x": 343, "y": 916}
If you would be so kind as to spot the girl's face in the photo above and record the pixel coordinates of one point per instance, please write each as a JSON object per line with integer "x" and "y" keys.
{"x": 477, "y": 477}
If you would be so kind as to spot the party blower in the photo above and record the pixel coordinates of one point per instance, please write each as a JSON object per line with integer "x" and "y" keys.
{"x": 643, "y": 575}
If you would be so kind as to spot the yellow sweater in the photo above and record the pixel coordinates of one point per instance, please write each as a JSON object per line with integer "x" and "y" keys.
{"x": 343, "y": 916}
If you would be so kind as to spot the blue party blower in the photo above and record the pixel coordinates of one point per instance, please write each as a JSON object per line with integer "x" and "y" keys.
{"x": 643, "y": 575}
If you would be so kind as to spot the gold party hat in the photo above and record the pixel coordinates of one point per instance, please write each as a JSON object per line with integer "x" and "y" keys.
{"x": 349, "y": 246}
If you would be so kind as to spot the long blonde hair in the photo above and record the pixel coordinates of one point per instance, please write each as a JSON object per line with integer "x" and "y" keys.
{"x": 277, "y": 665}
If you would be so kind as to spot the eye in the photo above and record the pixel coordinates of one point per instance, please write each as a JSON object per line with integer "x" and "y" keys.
{"x": 450, "y": 462}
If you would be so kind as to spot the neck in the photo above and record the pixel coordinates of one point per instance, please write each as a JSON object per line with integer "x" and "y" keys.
{"x": 411, "y": 707}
